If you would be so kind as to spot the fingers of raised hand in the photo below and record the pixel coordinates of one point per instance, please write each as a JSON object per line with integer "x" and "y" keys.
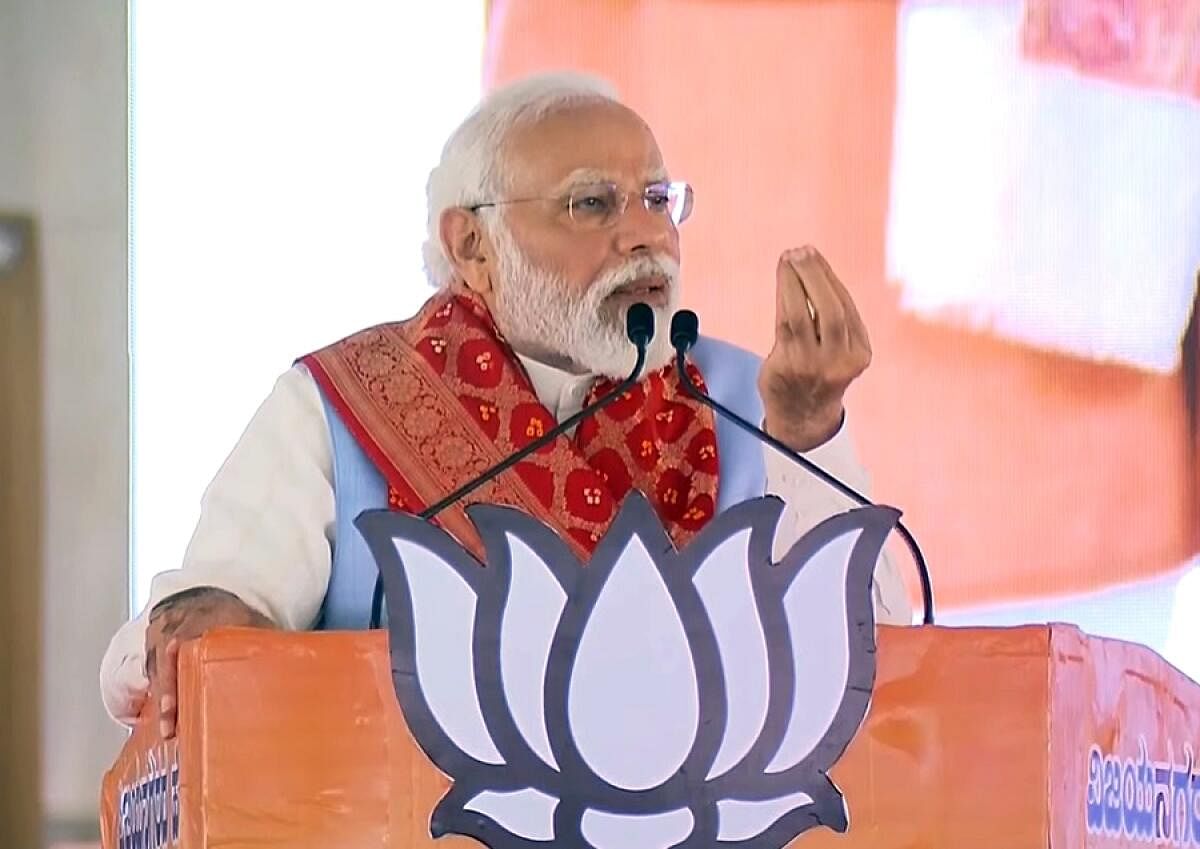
{"x": 809, "y": 303}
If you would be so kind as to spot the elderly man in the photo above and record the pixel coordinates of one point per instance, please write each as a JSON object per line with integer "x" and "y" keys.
{"x": 550, "y": 213}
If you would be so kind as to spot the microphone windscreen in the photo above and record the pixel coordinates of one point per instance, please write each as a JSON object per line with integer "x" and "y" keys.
{"x": 685, "y": 330}
{"x": 639, "y": 324}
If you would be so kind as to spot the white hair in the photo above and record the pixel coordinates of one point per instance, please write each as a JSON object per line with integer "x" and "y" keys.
{"x": 473, "y": 169}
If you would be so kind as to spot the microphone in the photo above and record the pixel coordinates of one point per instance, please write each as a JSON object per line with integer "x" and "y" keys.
{"x": 685, "y": 330}
{"x": 639, "y": 329}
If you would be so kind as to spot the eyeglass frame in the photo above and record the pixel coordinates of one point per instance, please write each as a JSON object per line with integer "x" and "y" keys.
{"x": 689, "y": 199}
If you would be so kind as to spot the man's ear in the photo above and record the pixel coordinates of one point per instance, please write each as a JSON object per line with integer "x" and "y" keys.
{"x": 467, "y": 248}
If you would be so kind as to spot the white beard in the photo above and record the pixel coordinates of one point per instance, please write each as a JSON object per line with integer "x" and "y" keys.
{"x": 540, "y": 320}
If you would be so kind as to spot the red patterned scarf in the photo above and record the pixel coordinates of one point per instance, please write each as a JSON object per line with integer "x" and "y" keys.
{"x": 437, "y": 399}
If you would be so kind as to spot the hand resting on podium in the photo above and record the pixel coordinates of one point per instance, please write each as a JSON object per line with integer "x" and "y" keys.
{"x": 177, "y": 619}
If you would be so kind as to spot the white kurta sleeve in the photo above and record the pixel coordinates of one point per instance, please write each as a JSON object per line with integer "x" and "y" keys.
{"x": 265, "y": 532}
{"x": 810, "y": 500}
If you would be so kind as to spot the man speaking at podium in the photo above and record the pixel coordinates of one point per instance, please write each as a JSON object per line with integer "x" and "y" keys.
{"x": 550, "y": 213}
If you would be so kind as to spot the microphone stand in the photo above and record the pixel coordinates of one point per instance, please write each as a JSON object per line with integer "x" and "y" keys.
{"x": 682, "y": 339}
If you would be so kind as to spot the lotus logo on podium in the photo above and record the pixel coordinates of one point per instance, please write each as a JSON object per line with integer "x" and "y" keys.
{"x": 647, "y": 699}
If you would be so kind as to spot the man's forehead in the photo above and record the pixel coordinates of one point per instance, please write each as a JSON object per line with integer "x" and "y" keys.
{"x": 595, "y": 143}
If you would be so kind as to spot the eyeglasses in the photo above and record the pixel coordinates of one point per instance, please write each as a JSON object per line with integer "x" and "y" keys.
{"x": 599, "y": 205}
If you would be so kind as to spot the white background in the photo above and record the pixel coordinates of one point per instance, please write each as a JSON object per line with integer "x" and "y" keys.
{"x": 279, "y": 155}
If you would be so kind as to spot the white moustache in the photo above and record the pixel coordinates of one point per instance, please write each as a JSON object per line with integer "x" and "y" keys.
{"x": 639, "y": 268}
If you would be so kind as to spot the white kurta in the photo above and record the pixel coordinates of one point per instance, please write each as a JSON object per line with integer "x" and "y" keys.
{"x": 267, "y": 520}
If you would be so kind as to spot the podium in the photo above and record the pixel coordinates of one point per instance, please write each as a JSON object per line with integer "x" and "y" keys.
{"x": 1036, "y": 737}
{"x": 658, "y": 697}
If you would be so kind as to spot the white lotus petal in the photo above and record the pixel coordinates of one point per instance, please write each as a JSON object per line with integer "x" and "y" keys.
{"x": 628, "y": 831}
{"x": 444, "y": 618}
{"x": 738, "y": 820}
{"x": 526, "y": 813}
{"x": 535, "y": 603}
{"x": 815, "y": 605}
{"x": 724, "y": 586}
{"x": 633, "y": 702}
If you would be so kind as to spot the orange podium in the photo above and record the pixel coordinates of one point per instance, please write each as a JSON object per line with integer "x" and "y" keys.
{"x": 1037, "y": 737}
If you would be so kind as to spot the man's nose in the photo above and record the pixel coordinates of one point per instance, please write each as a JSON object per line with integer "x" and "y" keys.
{"x": 641, "y": 231}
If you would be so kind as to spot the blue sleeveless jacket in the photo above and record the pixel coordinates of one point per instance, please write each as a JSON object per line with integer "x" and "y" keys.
{"x": 731, "y": 375}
